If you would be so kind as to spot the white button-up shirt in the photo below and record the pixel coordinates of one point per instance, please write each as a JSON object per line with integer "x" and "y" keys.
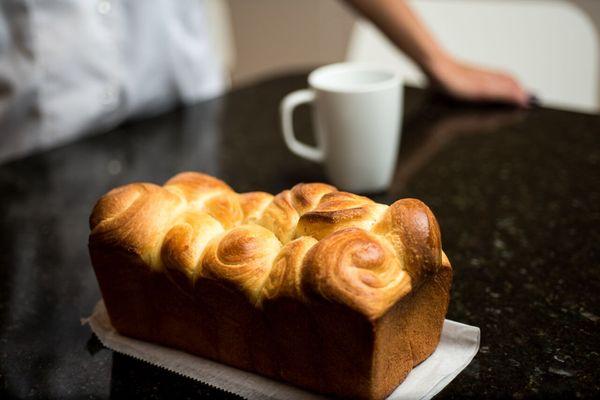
{"x": 68, "y": 67}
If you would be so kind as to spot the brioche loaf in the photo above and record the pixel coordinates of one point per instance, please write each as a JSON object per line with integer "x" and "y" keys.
{"x": 324, "y": 289}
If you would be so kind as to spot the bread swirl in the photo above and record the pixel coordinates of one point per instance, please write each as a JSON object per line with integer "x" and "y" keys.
{"x": 325, "y": 289}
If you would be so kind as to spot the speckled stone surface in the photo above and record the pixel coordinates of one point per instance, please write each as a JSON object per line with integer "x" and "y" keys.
{"x": 517, "y": 195}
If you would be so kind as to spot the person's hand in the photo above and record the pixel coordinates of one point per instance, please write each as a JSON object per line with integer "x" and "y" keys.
{"x": 464, "y": 82}
{"x": 468, "y": 83}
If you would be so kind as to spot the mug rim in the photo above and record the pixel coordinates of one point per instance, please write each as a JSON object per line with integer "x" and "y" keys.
{"x": 392, "y": 81}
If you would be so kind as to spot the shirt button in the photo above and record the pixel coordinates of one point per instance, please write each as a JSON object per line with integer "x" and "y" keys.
{"x": 104, "y": 7}
{"x": 109, "y": 97}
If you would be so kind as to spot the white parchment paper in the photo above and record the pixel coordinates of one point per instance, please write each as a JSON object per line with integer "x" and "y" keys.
{"x": 458, "y": 345}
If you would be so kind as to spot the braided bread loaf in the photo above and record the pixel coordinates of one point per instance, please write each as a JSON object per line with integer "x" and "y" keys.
{"x": 324, "y": 289}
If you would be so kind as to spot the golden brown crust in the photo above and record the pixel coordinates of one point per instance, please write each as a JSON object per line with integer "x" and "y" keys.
{"x": 338, "y": 210}
{"x": 116, "y": 201}
{"x": 306, "y": 196}
{"x": 226, "y": 209}
{"x": 280, "y": 216}
{"x": 285, "y": 279}
{"x": 413, "y": 230}
{"x": 172, "y": 226}
{"x": 358, "y": 269}
{"x": 326, "y": 289}
{"x": 186, "y": 240}
{"x": 210, "y": 194}
{"x": 135, "y": 219}
{"x": 254, "y": 204}
{"x": 242, "y": 258}
{"x": 194, "y": 186}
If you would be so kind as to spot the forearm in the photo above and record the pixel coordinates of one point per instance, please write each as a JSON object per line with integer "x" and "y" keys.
{"x": 462, "y": 81}
{"x": 405, "y": 29}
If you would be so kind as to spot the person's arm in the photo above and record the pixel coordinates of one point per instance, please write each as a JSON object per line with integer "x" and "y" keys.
{"x": 404, "y": 28}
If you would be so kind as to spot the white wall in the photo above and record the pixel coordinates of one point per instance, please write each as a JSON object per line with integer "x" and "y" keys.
{"x": 278, "y": 35}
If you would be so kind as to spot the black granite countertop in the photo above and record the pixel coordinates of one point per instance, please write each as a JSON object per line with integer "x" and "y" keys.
{"x": 517, "y": 195}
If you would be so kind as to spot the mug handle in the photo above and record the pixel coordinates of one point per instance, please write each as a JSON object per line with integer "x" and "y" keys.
{"x": 286, "y": 109}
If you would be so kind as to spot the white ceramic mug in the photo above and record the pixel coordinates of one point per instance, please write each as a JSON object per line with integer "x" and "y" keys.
{"x": 357, "y": 110}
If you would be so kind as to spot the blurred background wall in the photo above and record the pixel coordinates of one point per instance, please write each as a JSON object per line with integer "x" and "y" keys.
{"x": 279, "y": 35}
{"x": 265, "y": 37}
